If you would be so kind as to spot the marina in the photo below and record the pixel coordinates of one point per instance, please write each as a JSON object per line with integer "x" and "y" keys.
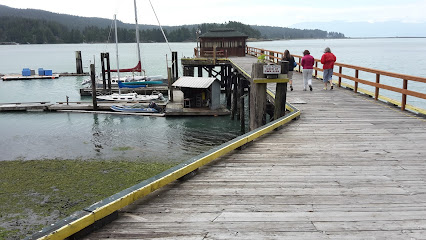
{"x": 313, "y": 114}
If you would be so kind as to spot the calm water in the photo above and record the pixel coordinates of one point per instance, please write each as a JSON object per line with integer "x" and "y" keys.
{"x": 39, "y": 135}
{"x": 403, "y": 56}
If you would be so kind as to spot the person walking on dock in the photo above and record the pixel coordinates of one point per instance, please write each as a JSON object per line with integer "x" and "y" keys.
{"x": 308, "y": 66}
{"x": 328, "y": 60}
{"x": 291, "y": 64}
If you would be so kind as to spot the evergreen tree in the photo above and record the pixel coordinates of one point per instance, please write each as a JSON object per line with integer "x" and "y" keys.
{"x": 25, "y": 30}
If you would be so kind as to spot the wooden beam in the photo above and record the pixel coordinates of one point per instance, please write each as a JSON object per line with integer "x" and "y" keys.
{"x": 257, "y": 98}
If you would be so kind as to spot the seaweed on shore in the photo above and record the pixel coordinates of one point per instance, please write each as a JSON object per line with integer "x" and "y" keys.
{"x": 37, "y": 193}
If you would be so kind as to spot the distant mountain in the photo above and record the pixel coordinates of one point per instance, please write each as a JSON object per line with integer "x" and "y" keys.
{"x": 72, "y": 22}
{"x": 47, "y": 27}
{"x": 294, "y": 33}
{"x": 366, "y": 29}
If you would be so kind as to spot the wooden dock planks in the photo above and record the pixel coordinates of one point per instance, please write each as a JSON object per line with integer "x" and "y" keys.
{"x": 349, "y": 168}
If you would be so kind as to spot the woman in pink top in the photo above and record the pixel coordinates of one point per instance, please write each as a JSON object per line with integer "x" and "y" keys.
{"x": 308, "y": 66}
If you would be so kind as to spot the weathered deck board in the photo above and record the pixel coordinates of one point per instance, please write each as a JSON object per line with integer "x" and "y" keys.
{"x": 349, "y": 168}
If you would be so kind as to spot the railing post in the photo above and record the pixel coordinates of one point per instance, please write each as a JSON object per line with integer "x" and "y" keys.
{"x": 356, "y": 83}
{"x": 404, "y": 96}
{"x": 340, "y": 78}
{"x": 316, "y": 71}
{"x": 300, "y": 64}
{"x": 376, "y": 94}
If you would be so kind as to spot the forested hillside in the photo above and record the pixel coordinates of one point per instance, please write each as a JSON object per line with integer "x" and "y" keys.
{"x": 38, "y": 27}
{"x": 72, "y": 22}
{"x": 23, "y": 30}
{"x": 294, "y": 33}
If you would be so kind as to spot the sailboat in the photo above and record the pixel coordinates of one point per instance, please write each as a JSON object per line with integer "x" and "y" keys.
{"x": 131, "y": 97}
{"x": 137, "y": 68}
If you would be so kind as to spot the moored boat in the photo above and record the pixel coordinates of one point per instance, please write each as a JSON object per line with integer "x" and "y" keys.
{"x": 137, "y": 108}
{"x": 129, "y": 80}
{"x": 131, "y": 97}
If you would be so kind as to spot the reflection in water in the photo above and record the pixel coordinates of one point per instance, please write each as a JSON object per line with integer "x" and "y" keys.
{"x": 104, "y": 136}
{"x": 199, "y": 134}
{"x": 96, "y": 133}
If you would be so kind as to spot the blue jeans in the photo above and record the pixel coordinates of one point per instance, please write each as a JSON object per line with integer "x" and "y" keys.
{"x": 328, "y": 73}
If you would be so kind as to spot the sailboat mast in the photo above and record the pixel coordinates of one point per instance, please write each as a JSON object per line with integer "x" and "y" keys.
{"x": 137, "y": 32}
{"x": 116, "y": 48}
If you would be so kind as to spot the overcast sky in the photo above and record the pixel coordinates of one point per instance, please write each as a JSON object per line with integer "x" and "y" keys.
{"x": 281, "y": 13}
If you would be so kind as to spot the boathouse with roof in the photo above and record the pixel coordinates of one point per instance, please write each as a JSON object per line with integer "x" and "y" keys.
{"x": 228, "y": 42}
{"x": 199, "y": 92}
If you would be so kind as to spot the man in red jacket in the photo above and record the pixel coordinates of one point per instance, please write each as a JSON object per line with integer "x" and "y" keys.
{"x": 328, "y": 60}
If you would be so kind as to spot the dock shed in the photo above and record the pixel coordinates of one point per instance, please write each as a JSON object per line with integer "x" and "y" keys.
{"x": 228, "y": 42}
{"x": 199, "y": 92}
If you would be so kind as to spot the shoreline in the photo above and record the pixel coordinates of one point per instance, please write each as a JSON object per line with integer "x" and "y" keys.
{"x": 49, "y": 190}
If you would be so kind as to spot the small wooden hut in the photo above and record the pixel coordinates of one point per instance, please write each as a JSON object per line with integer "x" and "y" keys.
{"x": 227, "y": 42}
{"x": 199, "y": 92}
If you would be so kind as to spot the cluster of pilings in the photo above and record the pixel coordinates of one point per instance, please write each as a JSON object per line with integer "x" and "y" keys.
{"x": 232, "y": 83}
{"x": 237, "y": 85}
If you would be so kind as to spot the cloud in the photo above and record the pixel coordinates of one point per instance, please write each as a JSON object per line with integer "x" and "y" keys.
{"x": 273, "y": 12}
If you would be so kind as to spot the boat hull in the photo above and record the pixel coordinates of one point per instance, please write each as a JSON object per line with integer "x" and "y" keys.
{"x": 133, "y": 109}
{"x": 130, "y": 97}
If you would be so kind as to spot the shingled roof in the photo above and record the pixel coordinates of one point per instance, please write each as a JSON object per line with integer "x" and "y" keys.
{"x": 223, "y": 33}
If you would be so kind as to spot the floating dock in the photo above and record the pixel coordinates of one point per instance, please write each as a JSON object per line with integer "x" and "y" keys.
{"x": 146, "y": 90}
{"x": 175, "y": 108}
{"x": 32, "y": 77}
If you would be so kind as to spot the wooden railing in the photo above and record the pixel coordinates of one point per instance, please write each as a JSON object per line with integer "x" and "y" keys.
{"x": 275, "y": 56}
{"x": 211, "y": 53}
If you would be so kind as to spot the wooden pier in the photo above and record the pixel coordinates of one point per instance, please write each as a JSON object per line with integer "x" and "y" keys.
{"x": 349, "y": 168}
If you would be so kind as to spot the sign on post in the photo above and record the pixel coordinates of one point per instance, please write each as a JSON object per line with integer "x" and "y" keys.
{"x": 271, "y": 69}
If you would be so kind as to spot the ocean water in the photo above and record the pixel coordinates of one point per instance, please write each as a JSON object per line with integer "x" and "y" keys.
{"x": 397, "y": 55}
{"x": 40, "y": 135}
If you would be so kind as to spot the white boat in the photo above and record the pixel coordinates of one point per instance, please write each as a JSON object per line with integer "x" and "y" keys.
{"x": 131, "y": 97}
{"x": 114, "y": 80}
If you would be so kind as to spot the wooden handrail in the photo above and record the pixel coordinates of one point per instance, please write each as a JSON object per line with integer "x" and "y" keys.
{"x": 275, "y": 56}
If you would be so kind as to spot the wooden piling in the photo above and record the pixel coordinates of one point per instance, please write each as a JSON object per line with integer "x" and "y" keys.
{"x": 234, "y": 96}
{"x": 210, "y": 71}
{"x": 92, "y": 77}
{"x": 200, "y": 71}
{"x": 78, "y": 62}
{"x": 222, "y": 76}
{"x": 109, "y": 72}
{"x": 237, "y": 95}
{"x": 175, "y": 68}
{"x": 281, "y": 93}
{"x": 242, "y": 110}
{"x": 257, "y": 98}
{"x": 104, "y": 83}
{"x": 170, "y": 82}
{"x": 228, "y": 87}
